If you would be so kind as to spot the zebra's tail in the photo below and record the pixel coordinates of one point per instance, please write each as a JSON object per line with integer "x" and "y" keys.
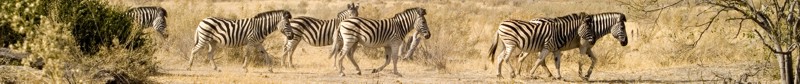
{"x": 493, "y": 48}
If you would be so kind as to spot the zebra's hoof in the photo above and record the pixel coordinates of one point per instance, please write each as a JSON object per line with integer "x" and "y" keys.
{"x": 375, "y": 71}
{"x": 270, "y": 71}
{"x": 359, "y": 73}
{"x": 341, "y": 74}
{"x": 585, "y": 78}
{"x": 398, "y": 74}
{"x": 499, "y": 76}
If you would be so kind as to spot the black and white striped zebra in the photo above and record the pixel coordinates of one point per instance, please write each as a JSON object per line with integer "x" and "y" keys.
{"x": 316, "y": 32}
{"x": 544, "y": 35}
{"x": 600, "y": 24}
{"x": 219, "y": 32}
{"x": 150, "y": 16}
{"x": 387, "y": 33}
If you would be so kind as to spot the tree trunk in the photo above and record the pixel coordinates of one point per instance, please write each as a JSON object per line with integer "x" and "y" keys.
{"x": 785, "y": 63}
{"x": 797, "y": 69}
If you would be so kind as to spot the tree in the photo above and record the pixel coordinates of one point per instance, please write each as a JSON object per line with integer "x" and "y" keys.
{"x": 777, "y": 19}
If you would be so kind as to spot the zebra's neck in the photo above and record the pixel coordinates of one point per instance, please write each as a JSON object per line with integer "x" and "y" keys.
{"x": 405, "y": 22}
{"x": 262, "y": 26}
{"x": 603, "y": 23}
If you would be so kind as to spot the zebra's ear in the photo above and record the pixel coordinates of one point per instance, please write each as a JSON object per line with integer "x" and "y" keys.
{"x": 350, "y": 5}
{"x": 355, "y": 5}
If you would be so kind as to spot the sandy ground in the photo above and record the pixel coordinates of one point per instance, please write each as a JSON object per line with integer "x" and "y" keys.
{"x": 173, "y": 70}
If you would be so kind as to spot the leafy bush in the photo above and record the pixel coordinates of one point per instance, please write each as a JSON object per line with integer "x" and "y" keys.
{"x": 80, "y": 41}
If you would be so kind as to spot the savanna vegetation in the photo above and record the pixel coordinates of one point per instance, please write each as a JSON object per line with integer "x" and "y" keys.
{"x": 88, "y": 41}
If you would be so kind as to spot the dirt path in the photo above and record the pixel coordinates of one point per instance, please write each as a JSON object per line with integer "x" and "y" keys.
{"x": 317, "y": 70}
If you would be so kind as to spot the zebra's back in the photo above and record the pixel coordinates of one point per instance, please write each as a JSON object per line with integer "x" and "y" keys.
{"x": 228, "y": 32}
{"x": 314, "y": 31}
{"x": 371, "y": 32}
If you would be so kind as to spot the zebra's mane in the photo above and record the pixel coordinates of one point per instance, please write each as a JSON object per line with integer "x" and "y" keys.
{"x": 621, "y": 15}
{"x": 163, "y": 11}
{"x": 566, "y": 18}
{"x": 273, "y": 12}
{"x": 342, "y": 12}
{"x": 419, "y": 10}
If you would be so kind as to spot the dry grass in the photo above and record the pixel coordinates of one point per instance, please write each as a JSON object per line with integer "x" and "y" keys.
{"x": 462, "y": 33}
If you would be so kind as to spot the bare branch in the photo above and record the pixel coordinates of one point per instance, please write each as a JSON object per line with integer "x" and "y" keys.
{"x": 662, "y": 8}
{"x": 765, "y": 42}
{"x": 643, "y": 9}
{"x": 739, "y": 30}
{"x": 708, "y": 26}
{"x": 794, "y": 46}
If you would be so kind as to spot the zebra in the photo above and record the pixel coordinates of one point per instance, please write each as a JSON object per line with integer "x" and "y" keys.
{"x": 219, "y": 32}
{"x": 316, "y": 32}
{"x": 150, "y": 16}
{"x": 600, "y": 24}
{"x": 541, "y": 35}
{"x": 386, "y": 33}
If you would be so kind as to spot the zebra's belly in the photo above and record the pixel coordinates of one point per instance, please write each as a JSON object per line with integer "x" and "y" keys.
{"x": 571, "y": 45}
{"x": 374, "y": 44}
{"x": 318, "y": 41}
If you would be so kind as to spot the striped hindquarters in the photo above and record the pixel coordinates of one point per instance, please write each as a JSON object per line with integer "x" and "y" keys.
{"x": 525, "y": 35}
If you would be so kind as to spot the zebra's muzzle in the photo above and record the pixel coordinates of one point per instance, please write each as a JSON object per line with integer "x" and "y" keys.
{"x": 624, "y": 42}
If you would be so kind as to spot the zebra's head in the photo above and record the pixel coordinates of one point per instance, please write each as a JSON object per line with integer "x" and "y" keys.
{"x": 422, "y": 27}
{"x": 288, "y": 30}
{"x": 160, "y": 23}
{"x": 618, "y": 27}
{"x": 587, "y": 32}
{"x": 421, "y": 23}
{"x": 351, "y": 11}
{"x": 618, "y": 31}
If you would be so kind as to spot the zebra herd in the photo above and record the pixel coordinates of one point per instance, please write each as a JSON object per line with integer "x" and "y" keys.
{"x": 347, "y": 31}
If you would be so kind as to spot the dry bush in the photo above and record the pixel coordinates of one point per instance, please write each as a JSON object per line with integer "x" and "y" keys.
{"x": 112, "y": 52}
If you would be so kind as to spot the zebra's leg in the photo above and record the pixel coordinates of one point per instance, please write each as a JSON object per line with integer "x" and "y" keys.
{"x": 557, "y": 57}
{"x": 520, "y": 61}
{"x": 263, "y": 52}
{"x": 539, "y": 61}
{"x": 288, "y": 50}
{"x": 594, "y": 61}
{"x": 244, "y": 63}
{"x": 508, "y": 63}
{"x": 503, "y": 57}
{"x": 338, "y": 62}
{"x": 410, "y": 46}
{"x": 353, "y": 61}
{"x": 394, "y": 48}
{"x": 336, "y": 49}
{"x": 191, "y": 55}
{"x": 388, "y": 51}
{"x": 211, "y": 51}
{"x": 346, "y": 48}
